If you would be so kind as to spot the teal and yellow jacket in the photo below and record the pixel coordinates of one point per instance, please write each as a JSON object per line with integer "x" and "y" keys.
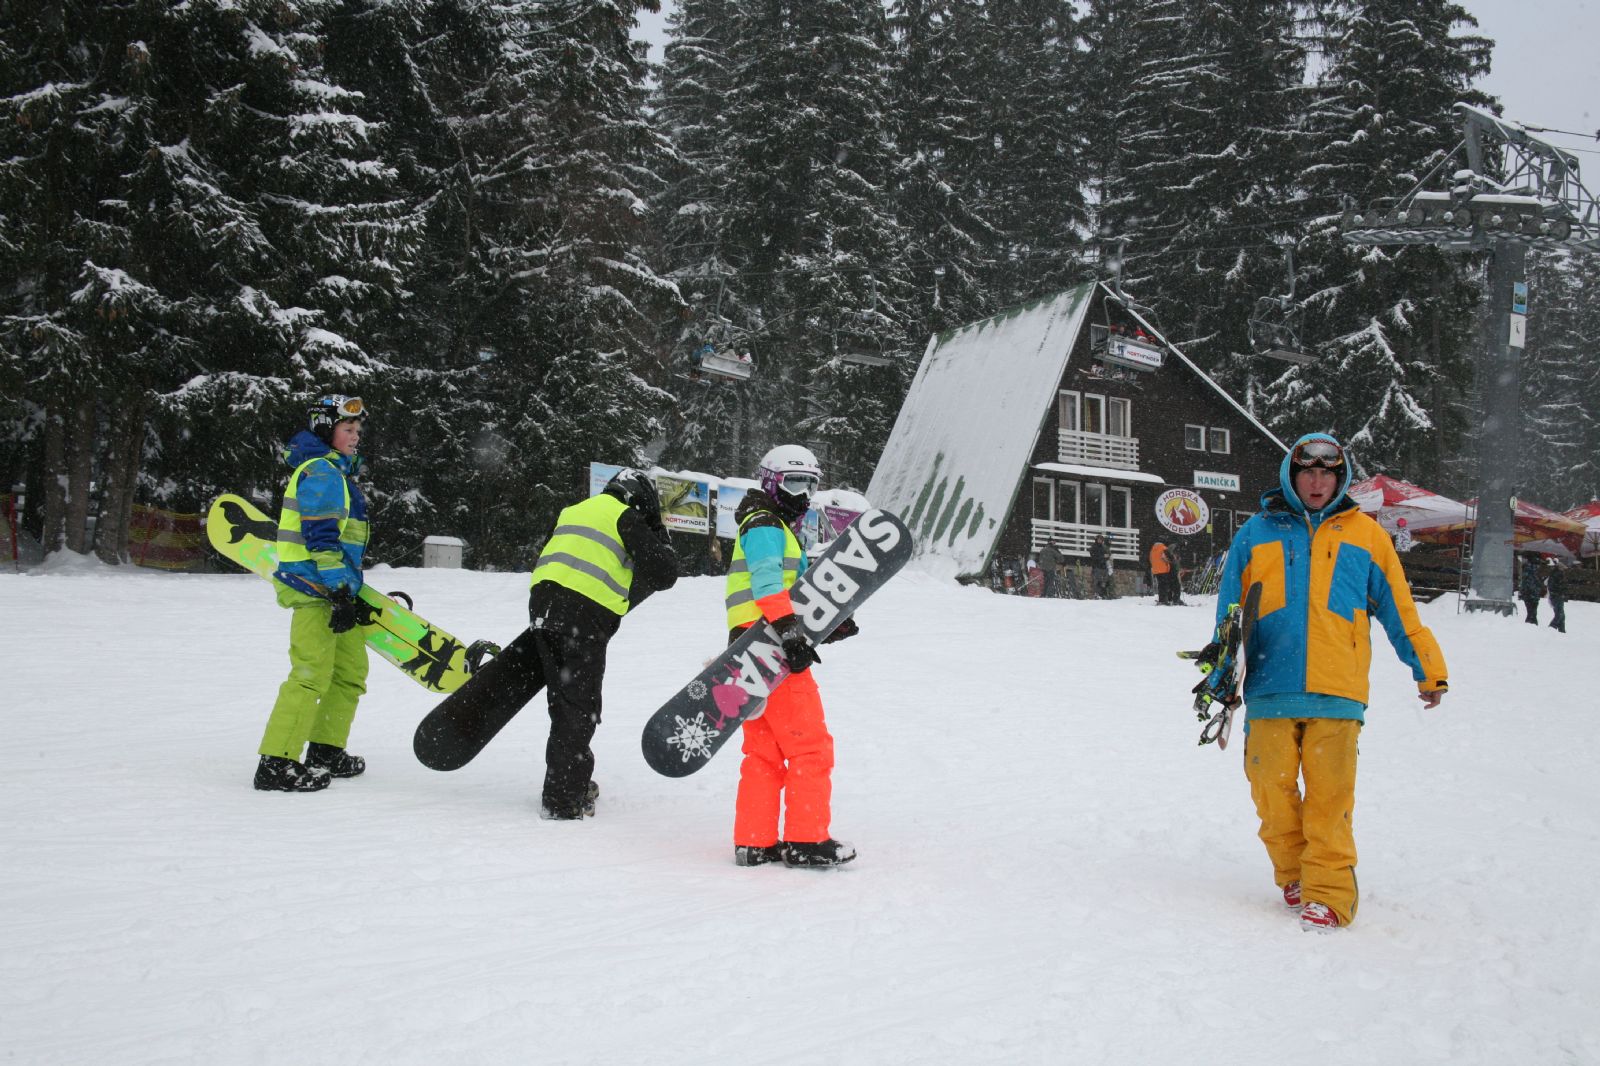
{"x": 1325, "y": 577}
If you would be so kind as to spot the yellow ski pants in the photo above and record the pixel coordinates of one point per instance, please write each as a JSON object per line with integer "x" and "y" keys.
{"x": 1309, "y": 837}
{"x": 327, "y": 676}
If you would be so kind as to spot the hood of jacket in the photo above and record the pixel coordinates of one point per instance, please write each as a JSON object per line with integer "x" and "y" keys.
{"x": 1285, "y": 498}
{"x": 306, "y": 445}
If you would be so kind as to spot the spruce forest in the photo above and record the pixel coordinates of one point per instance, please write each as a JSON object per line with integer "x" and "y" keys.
{"x": 506, "y": 231}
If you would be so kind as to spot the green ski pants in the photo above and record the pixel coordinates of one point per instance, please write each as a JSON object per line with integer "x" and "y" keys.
{"x": 327, "y": 676}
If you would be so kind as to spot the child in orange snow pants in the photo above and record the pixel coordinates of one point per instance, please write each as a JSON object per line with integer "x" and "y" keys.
{"x": 788, "y": 759}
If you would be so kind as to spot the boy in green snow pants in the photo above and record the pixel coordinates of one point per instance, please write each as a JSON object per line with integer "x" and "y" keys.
{"x": 322, "y": 540}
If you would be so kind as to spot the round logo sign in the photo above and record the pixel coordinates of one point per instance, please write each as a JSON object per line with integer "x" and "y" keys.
{"x": 1183, "y": 511}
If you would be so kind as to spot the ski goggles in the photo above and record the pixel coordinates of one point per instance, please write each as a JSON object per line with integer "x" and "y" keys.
{"x": 799, "y": 484}
{"x": 343, "y": 407}
{"x": 1323, "y": 453}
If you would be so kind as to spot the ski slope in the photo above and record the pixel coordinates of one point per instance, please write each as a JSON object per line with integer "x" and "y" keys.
{"x": 1051, "y": 871}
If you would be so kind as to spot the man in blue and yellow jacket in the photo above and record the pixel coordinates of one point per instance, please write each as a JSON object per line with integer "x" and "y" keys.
{"x": 1327, "y": 571}
{"x": 322, "y": 540}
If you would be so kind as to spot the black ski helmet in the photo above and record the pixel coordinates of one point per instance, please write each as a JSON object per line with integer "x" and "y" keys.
{"x": 636, "y": 489}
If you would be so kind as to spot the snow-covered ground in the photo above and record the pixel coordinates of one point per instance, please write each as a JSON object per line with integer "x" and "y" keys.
{"x": 1051, "y": 871}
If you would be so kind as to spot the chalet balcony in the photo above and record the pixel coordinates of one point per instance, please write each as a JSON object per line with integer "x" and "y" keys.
{"x": 1098, "y": 449}
{"x": 1074, "y": 538}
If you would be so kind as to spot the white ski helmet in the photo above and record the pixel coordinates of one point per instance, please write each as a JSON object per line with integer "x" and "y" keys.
{"x": 790, "y": 475}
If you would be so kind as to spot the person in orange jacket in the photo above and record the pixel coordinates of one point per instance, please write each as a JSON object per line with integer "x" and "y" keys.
{"x": 1327, "y": 573}
{"x": 788, "y": 751}
{"x": 1165, "y": 574}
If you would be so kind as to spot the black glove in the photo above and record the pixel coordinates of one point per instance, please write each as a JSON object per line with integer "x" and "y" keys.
{"x": 346, "y": 616}
{"x": 847, "y": 628}
{"x": 797, "y": 649}
{"x": 1207, "y": 659}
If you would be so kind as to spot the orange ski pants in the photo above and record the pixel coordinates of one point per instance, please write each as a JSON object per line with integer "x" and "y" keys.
{"x": 788, "y": 763}
{"x": 1310, "y": 839}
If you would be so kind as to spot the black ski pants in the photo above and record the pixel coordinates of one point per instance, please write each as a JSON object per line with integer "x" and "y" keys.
{"x": 574, "y": 662}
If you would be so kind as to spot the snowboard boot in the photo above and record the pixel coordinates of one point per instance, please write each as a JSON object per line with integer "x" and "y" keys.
{"x": 1318, "y": 918}
{"x": 274, "y": 773}
{"x": 828, "y": 852}
{"x": 1291, "y": 894}
{"x": 571, "y": 814}
{"x": 337, "y": 761}
{"x": 752, "y": 855}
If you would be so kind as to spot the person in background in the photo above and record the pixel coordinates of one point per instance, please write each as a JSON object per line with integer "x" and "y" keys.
{"x": 1530, "y": 589}
{"x": 322, "y": 540}
{"x": 607, "y": 554}
{"x": 1556, "y": 585}
{"x": 1051, "y": 561}
{"x": 1327, "y": 572}
{"x": 1100, "y": 568}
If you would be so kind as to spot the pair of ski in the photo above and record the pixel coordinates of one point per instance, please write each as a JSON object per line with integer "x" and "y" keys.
{"x": 1221, "y": 691}
{"x": 680, "y": 737}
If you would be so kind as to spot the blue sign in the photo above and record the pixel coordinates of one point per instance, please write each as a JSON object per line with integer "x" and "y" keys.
{"x": 1519, "y": 297}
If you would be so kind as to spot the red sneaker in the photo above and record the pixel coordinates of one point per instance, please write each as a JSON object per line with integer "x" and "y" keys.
{"x": 1318, "y": 917}
{"x": 1291, "y": 894}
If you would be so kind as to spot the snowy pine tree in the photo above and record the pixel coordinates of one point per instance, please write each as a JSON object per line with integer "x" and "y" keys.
{"x": 1394, "y": 327}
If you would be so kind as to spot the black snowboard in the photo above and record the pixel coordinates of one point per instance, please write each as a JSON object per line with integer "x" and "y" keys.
{"x": 686, "y": 732}
{"x": 458, "y": 728}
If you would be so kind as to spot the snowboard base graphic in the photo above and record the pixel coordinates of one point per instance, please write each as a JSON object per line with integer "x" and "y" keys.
{"x": 428, "y": 655}
{"x": 689, "y": 728}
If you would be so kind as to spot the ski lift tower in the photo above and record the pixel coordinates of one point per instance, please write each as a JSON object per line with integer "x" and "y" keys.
{"x": 1510, "y": 191}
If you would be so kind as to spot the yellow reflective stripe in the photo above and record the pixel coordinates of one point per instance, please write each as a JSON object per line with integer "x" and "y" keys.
{"x": 610, "y": 544}
{"x": 355, "y": 532}
{"x": 583, "y": 566}
{"x": 585, "y": 554}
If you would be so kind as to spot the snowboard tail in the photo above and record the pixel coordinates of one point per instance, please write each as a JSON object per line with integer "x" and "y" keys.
{"x": 428, "y": 655}
{"x": 461, "y": 726}
{"x": 692, "y": 726}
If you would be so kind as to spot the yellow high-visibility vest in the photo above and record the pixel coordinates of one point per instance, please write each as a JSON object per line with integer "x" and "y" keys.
{"x": 585, "y": 554}
{"x": 291, "y": 539}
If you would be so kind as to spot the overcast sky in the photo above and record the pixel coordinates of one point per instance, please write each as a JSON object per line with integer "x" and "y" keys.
{"x": 1546, "y": 65}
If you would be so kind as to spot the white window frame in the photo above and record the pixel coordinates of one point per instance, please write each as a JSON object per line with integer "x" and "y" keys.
{"x": 1087, "y": 519}
{"x": 1074, "y": 489}
{"x": 1125, "y": 507}
{"x": 1069, "y": 402}
{"x": 1097, "y": 401}
{"x": 1227, "y": 441}
{"x": 1187, "y": 426}
{"x": 1050, "y": 503}
{"x": 1124, "y": 405}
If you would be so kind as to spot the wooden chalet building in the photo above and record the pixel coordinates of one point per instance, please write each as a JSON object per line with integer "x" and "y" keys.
{"x": 1063, "y": 419}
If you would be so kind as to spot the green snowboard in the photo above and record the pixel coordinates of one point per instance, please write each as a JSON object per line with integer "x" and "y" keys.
{"x": 429, "y": 656}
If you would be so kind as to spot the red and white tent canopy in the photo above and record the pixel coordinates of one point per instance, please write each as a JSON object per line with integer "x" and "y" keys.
{"x": 1399, "y": 505}
{"x": 1539, "y": 529}
{"x": 1589, "y": 515}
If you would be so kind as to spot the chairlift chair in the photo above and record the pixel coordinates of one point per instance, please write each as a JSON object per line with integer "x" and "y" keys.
{"x": 1271, "y": 329}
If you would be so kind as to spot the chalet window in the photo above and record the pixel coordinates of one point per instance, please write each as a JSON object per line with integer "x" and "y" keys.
{"x": 1069, "y": 410}
{"x": 1094, "y": 505}
{"x": 1068, "y": 493}
{"x": 1119, "y": 417}
{"x": 1043, "y": 499}
{"x": 1194, "y": 438}
{"x": 1121, "y": 503}
{"x": 1219, "y": 441}
{"x": 1094, "y": 413}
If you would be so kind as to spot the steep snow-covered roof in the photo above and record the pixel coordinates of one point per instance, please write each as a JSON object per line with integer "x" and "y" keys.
{"x": 961, "y": 444}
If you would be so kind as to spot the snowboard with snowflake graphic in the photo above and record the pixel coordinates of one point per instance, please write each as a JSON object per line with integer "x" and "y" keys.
{"x": 686, "y": 732}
